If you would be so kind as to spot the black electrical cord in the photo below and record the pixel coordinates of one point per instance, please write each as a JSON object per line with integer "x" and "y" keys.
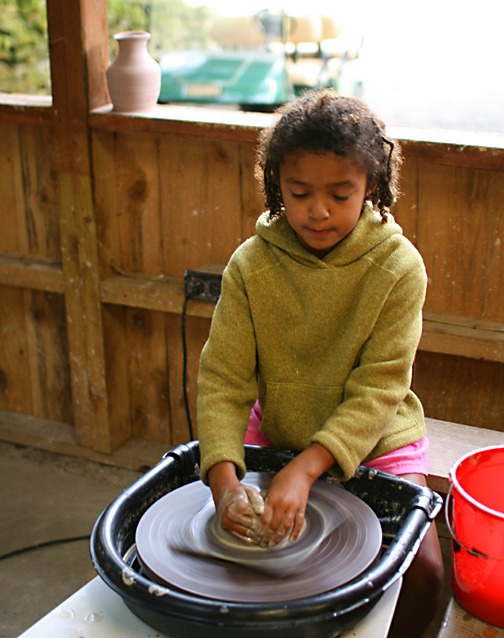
{"x": 31, "y": 548}
{"x": 184, "y": 370}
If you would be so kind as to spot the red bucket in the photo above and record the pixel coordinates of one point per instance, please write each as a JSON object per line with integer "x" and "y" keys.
{"x": 477, "y": 528}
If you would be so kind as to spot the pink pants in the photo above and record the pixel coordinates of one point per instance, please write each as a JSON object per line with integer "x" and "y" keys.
{"x": 410, "y": 459}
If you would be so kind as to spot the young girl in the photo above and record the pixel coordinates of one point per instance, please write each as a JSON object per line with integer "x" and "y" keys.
{"x": 319, "y": 319}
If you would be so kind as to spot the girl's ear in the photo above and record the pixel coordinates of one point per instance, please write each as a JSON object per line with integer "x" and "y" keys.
{"x": 371, "y": 188}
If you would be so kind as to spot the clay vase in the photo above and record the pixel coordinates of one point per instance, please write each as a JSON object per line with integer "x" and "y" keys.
{"x": 134, "y": 77}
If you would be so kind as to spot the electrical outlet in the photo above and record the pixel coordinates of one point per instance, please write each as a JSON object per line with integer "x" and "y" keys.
{"x": 204, "y": 283}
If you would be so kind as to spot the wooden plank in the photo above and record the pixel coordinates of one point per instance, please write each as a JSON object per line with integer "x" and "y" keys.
{"x": 463, "y": 337}
{"x": 107, "y": 210}
{"x": 452, "y": 148}
{"x": 32, "y": 110}
{"x": 458, "y": 623}
{"x": 405, "y": 211}
{"x": 15, "y": 380}
{"x": 36, "y": 194}
{"x": 145, "y": 340}
{"x": 161, "y": 293}
{"x": 9, "y": 169}
{"x": 137, "y": 205}
{"x": 48, "y": 355}
{"x": 27, "y": 272}
{"x": 450, "y": 442}
{"x": 252, "y": 200}
{"x": 460, "y": 389}
{"x": 73, "y": 28}
{"x": 117, "y": 379}
{"x": 29, "y": 198}
{"x": 201, "y": 192}
{"x": 208, "y": 123}
{"x": 460, "y": 238}
{"x": 450, "y": 335}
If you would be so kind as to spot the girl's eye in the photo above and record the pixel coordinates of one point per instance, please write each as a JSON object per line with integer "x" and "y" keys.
{"x": 341, "y": 198}
{"x": 299, "y": 195}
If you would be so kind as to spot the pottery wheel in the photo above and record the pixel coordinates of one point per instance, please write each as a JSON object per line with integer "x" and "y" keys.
{"x": 178, "y": 545}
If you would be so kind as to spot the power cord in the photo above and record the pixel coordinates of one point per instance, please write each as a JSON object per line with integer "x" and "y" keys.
{"x": 31, "y": 548}
{"x": 184, "y": 369}
{"x": 201, "y": 284}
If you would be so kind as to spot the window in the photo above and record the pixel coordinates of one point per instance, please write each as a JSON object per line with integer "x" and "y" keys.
{"x": 24, "y": 54}
{"x": 419, "y": 64}
{"x": 422, "y": 64}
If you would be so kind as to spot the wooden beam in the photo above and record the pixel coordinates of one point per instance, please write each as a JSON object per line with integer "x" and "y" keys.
{"x": 37, "y": 274}
{"x": 162, "y": 294}
{"x": 75, "y": 28}
{"x": 463, "y": 337}
{"x": 34, "y": 110}
{"x": 236, "y": 126}
{"x": 449, "y": 335}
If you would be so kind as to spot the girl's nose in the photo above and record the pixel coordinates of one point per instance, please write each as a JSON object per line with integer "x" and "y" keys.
{"x": 318, "y": 210}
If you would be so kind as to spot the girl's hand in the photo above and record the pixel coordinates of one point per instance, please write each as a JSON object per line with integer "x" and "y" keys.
{"x": 239, "y": 513}
{"x": 286, "y": 501}
{"x": 239, "y": 507}
{"x": 288, "y": 493}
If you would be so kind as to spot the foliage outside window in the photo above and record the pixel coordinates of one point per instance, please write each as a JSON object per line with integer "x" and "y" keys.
{"x": 24, "y": 55}
{"x": 173, "y": 24}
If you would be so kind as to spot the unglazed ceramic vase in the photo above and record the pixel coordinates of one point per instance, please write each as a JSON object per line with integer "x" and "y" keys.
{"x": 134, "y": 77}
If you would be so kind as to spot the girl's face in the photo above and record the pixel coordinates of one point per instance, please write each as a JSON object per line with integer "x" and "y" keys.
{"x": 323, "y": 195}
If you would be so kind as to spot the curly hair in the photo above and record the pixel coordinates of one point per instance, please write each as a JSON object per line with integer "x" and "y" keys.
{"x": 324, "y": 122}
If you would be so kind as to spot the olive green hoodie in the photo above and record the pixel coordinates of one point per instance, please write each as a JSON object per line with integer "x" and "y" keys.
{"x": 327, "y": 345}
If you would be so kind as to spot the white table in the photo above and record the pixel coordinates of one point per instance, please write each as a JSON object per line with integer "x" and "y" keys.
{"x": 95, "y": 611}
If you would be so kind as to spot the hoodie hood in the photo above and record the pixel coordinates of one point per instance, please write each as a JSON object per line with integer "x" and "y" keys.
{"x": 368, "y": 233}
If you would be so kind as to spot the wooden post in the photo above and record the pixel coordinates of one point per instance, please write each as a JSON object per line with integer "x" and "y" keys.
{"x": 78, "y": 54}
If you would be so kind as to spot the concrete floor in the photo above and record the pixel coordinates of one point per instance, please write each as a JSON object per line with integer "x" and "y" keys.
{"x": 49, "y": 504}
{"x": 53, "y": 500}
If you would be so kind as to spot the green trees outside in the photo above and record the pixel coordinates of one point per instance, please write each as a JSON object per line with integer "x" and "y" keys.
{"x": 24, "y": 54}
{"x": 24, "y": 57}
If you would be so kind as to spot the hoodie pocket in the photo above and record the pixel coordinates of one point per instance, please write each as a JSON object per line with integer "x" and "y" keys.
{"x": 293, "y": 412}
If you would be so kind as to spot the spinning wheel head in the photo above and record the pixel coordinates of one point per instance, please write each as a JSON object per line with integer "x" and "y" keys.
{"x": 180, "y": 544}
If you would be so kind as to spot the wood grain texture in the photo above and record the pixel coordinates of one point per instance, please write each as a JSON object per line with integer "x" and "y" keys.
{"x": 449, "y": 442}
{"x": 70, "y": 25}
{"x": 460, "y": 389}
{"x": 460, "y": 235}
{"x": 200, "y": 190}
{"x": 459, "y": 623}
{"x": 28, "y": 189}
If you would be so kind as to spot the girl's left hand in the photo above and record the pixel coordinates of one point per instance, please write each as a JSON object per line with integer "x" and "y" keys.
{"x": 284, "y": 511}
{"x": 285, "y": 506}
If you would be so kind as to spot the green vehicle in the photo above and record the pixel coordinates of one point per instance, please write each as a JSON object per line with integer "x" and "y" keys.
{"x": 250, "y": 79}
{"x": 259, "y": 62}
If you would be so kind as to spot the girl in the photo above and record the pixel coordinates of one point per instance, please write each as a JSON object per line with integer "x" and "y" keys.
{"x": 319, "y": 318}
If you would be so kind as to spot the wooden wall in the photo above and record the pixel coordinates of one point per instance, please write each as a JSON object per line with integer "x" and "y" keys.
{"x": 102, "y": 213}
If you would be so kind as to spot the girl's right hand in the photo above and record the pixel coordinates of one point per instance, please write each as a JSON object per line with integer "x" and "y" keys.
{"x": 239, "y": 513}
{"x": 239, "y": 507}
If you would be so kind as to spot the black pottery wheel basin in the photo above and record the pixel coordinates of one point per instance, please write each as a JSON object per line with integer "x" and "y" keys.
{"x": 405, "y": 511}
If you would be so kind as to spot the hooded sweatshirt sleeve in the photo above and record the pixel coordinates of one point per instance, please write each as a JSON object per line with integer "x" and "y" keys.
{"x": 227, "y": 380}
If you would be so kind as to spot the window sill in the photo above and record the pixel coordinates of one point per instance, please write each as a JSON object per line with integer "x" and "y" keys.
{"x": 461, "y": 148}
